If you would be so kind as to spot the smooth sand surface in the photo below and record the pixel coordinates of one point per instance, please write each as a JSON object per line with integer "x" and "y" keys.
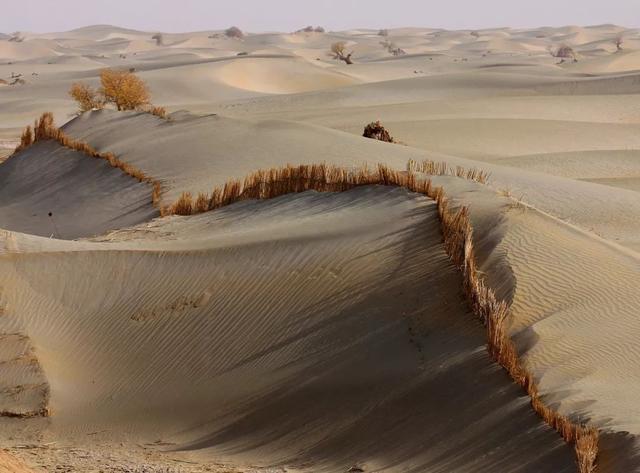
{"x": 320, "y": 332}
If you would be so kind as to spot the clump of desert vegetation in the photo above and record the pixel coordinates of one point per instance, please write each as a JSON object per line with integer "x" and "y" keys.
{"x": 120, "y": 88}
{"x": 392, "y": 48}
{"x": 376, "y": 131}
{"x": 618, "y": 41}
{"x": 159, "y": 39}
{"x": 234, "y": 32}
{"x": 339, "y": 52}
{"x": 311, "y": 29}
{"x": 383, "y": 32}
{"x": 564, "y": 52}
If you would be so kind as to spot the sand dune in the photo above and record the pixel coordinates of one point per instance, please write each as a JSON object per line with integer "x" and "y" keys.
{"x": 297, "y": 336}
{"x": 319, "y": 332}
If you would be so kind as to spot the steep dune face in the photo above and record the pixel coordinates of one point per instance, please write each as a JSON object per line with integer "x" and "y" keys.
{"x": 53, "y": 191}
{"x": 319, "y": 331}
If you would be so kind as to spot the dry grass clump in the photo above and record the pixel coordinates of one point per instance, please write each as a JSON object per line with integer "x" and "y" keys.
{"x": 26, "y": 139}
{"x": 376, "y": 131}
{"x": 458, "y": 244}
{"x": 158, "y": 112}
{"x": 434, "y": 168}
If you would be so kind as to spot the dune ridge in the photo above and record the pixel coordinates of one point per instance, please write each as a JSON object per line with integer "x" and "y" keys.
{"x": 45, "y": 129}
{"x": 458, "y": 241}
{"x": 456, "y": 230}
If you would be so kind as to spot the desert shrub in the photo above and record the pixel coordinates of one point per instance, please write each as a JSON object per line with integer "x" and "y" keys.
{"x": 338, "y": 50}
{"x": 376, "y": 131}
{"x": 307, "y": 29}
{"x": 564, "y": 52}
{"x": 123, "y": 89}
{"x": 319, "y": 29}
{"x": 618, "y": 42}
{"x": 158, "y": 38}
{"x": 86, "y": 97}
{"x": 158, "y": 111}
{"x": 234, "y": 32}
{"x": 383, "y": 32}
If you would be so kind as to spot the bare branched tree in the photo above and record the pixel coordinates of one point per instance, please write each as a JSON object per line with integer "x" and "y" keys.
{"x": 618, "y": 42}
{"x": 339, "y": 52}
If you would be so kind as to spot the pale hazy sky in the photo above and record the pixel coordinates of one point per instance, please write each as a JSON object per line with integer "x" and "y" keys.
{"x": 288, "y": 15}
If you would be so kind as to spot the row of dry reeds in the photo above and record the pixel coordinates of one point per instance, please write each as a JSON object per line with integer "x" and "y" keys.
{"x": 45, "y": 129}
{"x": 458, "y": 242}
{"x": 440, "y": 168}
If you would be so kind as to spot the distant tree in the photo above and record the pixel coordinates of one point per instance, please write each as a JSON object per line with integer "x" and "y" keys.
{"x": 339, "y": 52}
{"x": 618, "y": 42}
{"x": 319, "y": 29}
{"x": 234, "y": 32}
{"x": 159, "y": 39}
{"x": 564, "y": 52}
{"x": 383, "y": 32}
{"x": 123, "y": 89}
{"x": 86, "y": 97}
{"x": 475, "y": 34}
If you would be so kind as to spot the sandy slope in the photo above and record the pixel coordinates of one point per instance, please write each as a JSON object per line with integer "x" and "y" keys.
{"x": 49, "y": 190}
{"x": 321, "y": 331}
{"x": 317, "y": 331}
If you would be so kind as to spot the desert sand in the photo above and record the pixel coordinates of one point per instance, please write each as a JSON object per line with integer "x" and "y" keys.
{"x": 319, "y": 331}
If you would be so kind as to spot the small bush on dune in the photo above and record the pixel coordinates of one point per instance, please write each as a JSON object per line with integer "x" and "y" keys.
{"x": 158, "y": 112}
{"x": 383, "y": 32}
{"x": 123, "y": 89}
{"x": 234, "y": 32}
{"x": 376, "y": 131}
{"x": 86, "y": 97}
{"x": 319, "y": 29}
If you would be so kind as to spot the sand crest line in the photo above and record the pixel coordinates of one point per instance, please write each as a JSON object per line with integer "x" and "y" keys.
{"x": 455, "y": 226}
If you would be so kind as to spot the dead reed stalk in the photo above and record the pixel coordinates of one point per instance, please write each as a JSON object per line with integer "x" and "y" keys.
{"x": 458, "y": 243}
